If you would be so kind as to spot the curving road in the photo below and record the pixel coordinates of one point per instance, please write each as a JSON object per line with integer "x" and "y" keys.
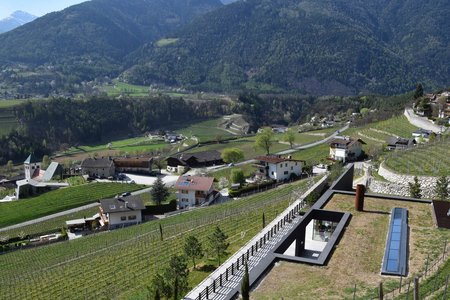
{"x": 289, "y": 151}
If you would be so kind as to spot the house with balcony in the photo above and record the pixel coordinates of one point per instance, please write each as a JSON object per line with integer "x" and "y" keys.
{"x": 194, "y": 191}
{"x": 277, "y": 167}
{"x": 345, "y": 149}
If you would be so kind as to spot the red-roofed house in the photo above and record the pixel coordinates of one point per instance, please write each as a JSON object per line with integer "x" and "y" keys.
{"x": 277, "y": 167}
{"x": 194, "y": 190}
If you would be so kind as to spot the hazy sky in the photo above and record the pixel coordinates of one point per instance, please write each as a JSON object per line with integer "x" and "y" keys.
{"x": 34, "y": 7}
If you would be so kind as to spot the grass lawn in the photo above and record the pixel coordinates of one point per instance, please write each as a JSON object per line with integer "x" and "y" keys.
{"x": 313, "y": 155}
{"x": 429, "y": 159}
{"x": 127, "y": 259}
{"x": 63, "y": 199}
{"x": 248, "y": 169}
{"x": 358, "y": 257}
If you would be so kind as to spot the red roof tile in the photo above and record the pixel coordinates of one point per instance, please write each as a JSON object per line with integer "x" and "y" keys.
{"x": 194, "y": 183}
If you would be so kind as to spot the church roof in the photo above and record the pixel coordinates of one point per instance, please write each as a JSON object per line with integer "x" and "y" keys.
{"x": 31, "y": 159}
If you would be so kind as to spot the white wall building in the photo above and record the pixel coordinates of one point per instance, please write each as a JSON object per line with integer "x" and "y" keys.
{"x": 278, "y": 168}
{"x": 194, "y": 190}
{"x": 346, "y": 149}
{"x": 121, "y": 212}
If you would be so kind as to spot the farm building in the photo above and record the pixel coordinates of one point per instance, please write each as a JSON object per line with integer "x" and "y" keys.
{"x": 181, "y": 162}
{"x": 398, "y": 143}
{"x": 98, "y": 167}
{"x": 141, "y": 165}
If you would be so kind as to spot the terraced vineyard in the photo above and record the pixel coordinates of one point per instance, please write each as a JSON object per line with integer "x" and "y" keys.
{"x": 63, "y": 199}
{"x": 380, "y": 132}
{"x": 428, "y": 160}
{"x": 120, "y": 264}
{"x": 45, "y": 226}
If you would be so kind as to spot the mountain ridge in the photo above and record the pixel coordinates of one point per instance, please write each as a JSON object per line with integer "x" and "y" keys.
{"x": 16, "y": 19}
{"x": 90, "y": 39}
{"x": 327, "y": 47}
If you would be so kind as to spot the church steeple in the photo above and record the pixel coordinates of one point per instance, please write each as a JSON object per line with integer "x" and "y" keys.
{"x": 31, "y": 164}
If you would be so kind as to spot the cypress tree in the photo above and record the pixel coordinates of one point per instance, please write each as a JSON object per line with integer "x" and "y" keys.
{"x": 245, "y": 285}
{"x": 441, "y": 189}
{"x": 263, "y": 220}
{"x": 414, "y": 188}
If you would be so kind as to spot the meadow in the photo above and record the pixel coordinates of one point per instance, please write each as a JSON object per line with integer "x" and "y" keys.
{"x": 10, "y": 103}
{"x": 205, "y": 131}
{"x": 121, "y": 264}
{"x": 118, "y": 147}
{"x": 59, "y": 200}
{"x": 247, "y": 144}
{"x": 8, "y": 121}
{"x": 119, "y": 88}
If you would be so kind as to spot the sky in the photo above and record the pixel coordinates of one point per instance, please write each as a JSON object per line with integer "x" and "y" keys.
{"x": 34, "y": 7}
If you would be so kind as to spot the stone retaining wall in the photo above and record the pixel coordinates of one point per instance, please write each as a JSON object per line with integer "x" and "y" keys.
{"x": 398, "y": 183}
{"x": 390, "y": 188}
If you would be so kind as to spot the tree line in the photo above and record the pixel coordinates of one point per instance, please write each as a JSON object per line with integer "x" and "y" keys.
{"x": 51, "y": 125}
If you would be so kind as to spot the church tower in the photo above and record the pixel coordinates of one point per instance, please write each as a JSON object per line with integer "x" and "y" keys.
{"x": 31, "y": 165}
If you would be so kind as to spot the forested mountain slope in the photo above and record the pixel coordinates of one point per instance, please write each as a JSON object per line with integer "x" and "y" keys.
{"x": 315, "y": 47}
{"x": 91, "y": 39}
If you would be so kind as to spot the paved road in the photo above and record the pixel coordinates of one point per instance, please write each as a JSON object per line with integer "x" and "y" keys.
{"x": 49, "y": 217}
{"x": 422, "y": 122}
{"x": 289, "y": 151}
{"x": 63, "y": 213}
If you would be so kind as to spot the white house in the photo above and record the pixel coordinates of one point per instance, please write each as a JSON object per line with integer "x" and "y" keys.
{"x": 346, "y": 149}
{"x": 121, "y": 212}
{"x": 277, "y": 167}
{"x": 194, "y": 190}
